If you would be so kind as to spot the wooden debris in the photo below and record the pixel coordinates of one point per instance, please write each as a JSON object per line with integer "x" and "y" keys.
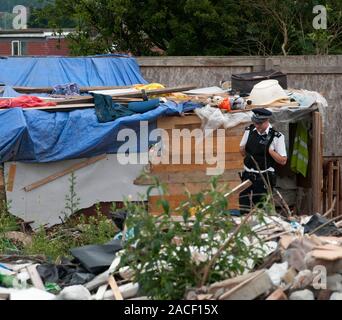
{"x": 289, "y": 276}
{"x": 327, "y": 252}
{"x": 11, "y": 176}
{"x": 115, "y": 288}
{"x": 277, "y": 295}
{"x": 50, "y": 89}
{"x": 66, "y": 171}
{"x": 35, "y": 277}
{"x": 259, "y": 283}
{"x": 286, "y": 240}
{"x": 127, "y": 291}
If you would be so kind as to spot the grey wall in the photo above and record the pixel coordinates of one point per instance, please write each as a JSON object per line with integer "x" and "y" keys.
{"x": 317, "y": 73}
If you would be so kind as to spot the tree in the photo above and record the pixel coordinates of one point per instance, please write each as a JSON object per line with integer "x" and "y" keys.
{"x": 194, "y": 27}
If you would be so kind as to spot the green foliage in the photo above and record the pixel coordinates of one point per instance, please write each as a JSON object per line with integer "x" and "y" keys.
{"x": 72, "y": 233}
{"x": 57, "y": 242}
{"x": 169, "y": 256}
{"x": 51, "y": 247}
{"x": 96, "y": 229}
{"x": 7, "y": 223}
{"x": 194, "y": 27}
{"x": 72, "y": 201}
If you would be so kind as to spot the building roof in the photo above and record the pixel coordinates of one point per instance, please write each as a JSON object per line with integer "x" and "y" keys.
{"x": 34, "y": 33}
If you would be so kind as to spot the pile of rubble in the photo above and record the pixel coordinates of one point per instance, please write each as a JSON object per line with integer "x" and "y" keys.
{"x": 304, "y": 266}
{"x": 302, "y": 261}
{"x": 22, "y": 281}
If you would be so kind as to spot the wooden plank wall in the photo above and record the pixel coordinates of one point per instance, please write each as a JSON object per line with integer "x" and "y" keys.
{"x": 193, "y": 177}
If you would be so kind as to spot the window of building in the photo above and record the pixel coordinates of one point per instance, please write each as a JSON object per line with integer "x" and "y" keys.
{"x": 16, "y": 48}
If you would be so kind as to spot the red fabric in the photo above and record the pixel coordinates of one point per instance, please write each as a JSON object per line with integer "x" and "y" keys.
{"x": 225, "y": 104}
{"x": 25, "y": 102}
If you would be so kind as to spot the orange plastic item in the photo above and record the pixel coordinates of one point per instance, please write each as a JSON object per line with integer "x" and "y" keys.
{"x": 225, "y": 104}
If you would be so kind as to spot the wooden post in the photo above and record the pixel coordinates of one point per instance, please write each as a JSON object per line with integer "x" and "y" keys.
{"x": 317, "y": 162}
{"x": 2, "y": 184}
{"x": 336, "y": 177}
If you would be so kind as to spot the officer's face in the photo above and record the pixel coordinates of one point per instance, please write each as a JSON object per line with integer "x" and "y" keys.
{"x": 261, "y": 127}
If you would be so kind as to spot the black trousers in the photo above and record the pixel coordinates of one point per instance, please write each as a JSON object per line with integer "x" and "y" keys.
{"x": 257, "y": 191}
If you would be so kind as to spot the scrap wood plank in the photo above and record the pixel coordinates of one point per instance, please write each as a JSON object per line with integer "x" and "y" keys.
{"x": 115, "y": 288}
{"x": 35, "y": 277}
{"x": 64, "y": 107}
{"x": 49, "y": 89}
{"x": 2, "y": 178}
{"x": 277, "y": 295}
{"x": 327, "y": 252}
{"x": 258, "y": 284}
{"x": 64, "y": 172}
{"x": 11, "y": 176}
{"x": 317, "y": 162}
{"x": 139, "y": 93}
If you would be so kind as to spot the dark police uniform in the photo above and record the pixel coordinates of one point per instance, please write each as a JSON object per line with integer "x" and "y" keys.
{"x": 258, "y": 161}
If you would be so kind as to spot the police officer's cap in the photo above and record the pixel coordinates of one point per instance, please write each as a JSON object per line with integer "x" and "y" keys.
{"x": 260, "y": 115}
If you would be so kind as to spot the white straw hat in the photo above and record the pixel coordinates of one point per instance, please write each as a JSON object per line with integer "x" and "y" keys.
{"x": 267, "y": 92}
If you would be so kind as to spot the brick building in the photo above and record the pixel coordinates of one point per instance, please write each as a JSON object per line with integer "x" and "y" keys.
{"x": 33, "y": 42}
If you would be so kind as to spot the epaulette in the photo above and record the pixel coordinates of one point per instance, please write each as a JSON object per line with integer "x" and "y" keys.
{"x": 276, "y": 133}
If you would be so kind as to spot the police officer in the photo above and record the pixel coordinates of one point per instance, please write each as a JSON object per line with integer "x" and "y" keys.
{"x": 261, "y": 147}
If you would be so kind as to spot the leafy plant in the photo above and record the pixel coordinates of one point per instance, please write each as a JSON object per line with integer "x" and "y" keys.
{"x": 7, "y": 223}
{"x": 51, "y": 247}
{"x": 96, "y": 229}
{"x": 72, "y": 201}
{"x": 168, "y": 256}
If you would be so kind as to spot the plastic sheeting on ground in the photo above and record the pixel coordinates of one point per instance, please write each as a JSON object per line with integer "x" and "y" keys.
{"x": 39, "y": 136}
{"x": 108, "y": 70}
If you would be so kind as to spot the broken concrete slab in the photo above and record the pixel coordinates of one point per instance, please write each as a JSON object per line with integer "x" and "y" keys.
{"x": 336, "y": 296}
{"x": 77, "y": 292}
{"x": 302, "y": 295}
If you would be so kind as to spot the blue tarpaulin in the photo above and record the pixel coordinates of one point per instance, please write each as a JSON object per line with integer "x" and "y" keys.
{"x": 40, "y": 136}
{"x": 85, "y": 71}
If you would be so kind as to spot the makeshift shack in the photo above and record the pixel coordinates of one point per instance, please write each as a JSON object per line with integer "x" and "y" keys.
{"x": 41, "y": 146}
